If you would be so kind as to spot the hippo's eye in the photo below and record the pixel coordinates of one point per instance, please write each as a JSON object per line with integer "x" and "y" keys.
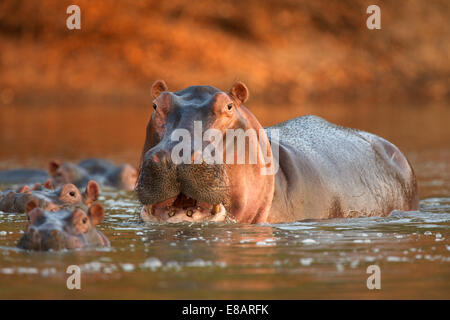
{"x": 230, "y": 106}
{"x": 84, "y": 220}
{"x": 72, "y": 193}
{"x": 154, "y": 106}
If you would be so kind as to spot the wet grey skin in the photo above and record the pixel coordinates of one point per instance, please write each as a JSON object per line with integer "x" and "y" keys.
{"x": 330, "y": 171}
{"x": 23, "y": 176}
{"x": 63, "y": 229}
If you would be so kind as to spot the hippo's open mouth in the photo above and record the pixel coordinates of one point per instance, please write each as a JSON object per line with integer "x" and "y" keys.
{"x": 182, "y": 208}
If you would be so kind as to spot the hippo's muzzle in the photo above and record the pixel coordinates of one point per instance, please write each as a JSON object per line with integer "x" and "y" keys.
{"x": 185, "y": 192}
{"x": 40, "y": 239}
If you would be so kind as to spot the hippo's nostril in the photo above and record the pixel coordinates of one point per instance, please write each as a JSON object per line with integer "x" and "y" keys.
{"x": 165, "y": 157}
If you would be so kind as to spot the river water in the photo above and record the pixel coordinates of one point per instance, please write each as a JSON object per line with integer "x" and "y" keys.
{"x": 310, "y": 259}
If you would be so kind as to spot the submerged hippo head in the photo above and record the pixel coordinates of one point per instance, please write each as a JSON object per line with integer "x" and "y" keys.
{"x": 198, "y": 189}
{"x": 67, "y": 172}
{"x": 122, "y": 177}
{"x": 49, "y": 199}
{"x": 64, "y": 229}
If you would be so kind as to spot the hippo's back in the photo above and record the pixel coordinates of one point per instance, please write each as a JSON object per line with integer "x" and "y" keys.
{"x": 350, "y": 171}
{"x": 96, "y": 166}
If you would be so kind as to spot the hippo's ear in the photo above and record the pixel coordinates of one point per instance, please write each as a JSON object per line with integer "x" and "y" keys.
{"x": 53, "y": 167}
{"x": 158, "y": 87}
{"x": 31, "y": 205}
{"x": 96, "y": 213}
{"x": 240, "y": 92}
{"x": 48, "y": 184}
{"x": 24, "y": 189}
{"x": 92, "y": 192}
{"x": 33, "y": 211}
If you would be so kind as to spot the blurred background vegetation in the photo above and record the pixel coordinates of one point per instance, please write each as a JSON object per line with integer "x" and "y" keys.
{"x": 287, "y": 51}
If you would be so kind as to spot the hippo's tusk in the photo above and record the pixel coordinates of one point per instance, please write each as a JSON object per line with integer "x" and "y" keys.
{"x": 172, "y": 213}
{"x": 215, "y": 209}
{"x": 189, "y": 213}
{"x": 145, "y": 213}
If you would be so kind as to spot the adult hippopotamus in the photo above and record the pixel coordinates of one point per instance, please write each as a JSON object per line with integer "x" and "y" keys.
{"x": 104, "y": 172}
{"x": 47, "y": 198}
{"x": 64, "y": 229}
{"x": 324, "y": 170}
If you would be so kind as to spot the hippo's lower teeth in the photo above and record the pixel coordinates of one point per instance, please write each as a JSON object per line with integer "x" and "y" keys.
{"x": 189, "y": 213}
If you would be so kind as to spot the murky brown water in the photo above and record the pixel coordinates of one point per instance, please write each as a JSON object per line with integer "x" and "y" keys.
{"x": 322, "y": 259}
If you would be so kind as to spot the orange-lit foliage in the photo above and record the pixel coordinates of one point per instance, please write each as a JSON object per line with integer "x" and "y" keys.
{"x": 286, "y": 51}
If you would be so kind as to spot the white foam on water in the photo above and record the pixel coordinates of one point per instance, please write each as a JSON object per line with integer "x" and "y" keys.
{"x": 309, "y": 241}
{"x": 306, "y": 261}
{"x": 127, "y": 267}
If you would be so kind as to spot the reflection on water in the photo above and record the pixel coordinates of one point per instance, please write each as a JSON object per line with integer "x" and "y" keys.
{"x": 315, "y": 259}
{"x": 311, "y": 259}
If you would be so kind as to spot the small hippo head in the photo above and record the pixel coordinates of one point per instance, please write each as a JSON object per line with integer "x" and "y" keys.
{"x": 62, "y": 173}
{"x": 122, "y": 177}
{"x": 54, "y": 199}
{"x": 195, "y": 189}
{"x": 63, "y": 229}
